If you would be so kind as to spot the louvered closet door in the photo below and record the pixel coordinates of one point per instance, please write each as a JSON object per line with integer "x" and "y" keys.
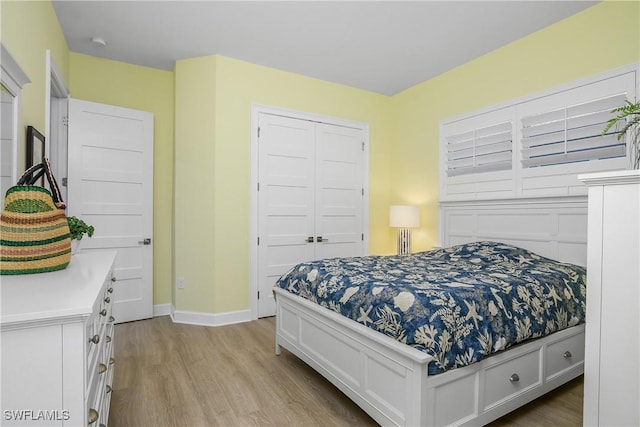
{"x": 310, "y": 186}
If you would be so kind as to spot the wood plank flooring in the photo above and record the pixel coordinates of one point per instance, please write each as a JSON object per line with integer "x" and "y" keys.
{"x": 183, "y": 375}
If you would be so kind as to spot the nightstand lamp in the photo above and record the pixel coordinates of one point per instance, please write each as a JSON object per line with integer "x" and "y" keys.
{"x": 404, "y": 217}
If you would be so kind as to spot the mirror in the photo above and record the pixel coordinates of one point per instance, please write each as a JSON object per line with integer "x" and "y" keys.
{"x": 35, "y": 149}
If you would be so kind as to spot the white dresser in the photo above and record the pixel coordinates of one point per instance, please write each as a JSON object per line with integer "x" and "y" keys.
{"x": 612, "y": 341}
{"x": 57, "y": 344}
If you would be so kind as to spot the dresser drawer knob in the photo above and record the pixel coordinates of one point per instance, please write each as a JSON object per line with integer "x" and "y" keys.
{"x": 112, "y": 319}
{"x": 567, "y": 355}
{"x": 108, "y": 388}
{"x": 110, "y": 290}
{"x": 103, "y": 312}
{"x": 112, "y": 361}
{"x": 108, "y": 338}
{"x": 113, "y": 278}
{"x": 102, "y": 368}
{"x": 93, "y": 416}
{"x": 514, "y": 378}
{"x": 95, "y": 339}
{"x": 107, "y": 300}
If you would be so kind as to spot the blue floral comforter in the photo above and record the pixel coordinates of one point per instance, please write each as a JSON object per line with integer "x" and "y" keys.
{"x": 458, "y": 304}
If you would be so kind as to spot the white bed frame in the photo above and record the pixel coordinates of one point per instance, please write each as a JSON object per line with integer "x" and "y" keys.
{"x": 389, "y": 380}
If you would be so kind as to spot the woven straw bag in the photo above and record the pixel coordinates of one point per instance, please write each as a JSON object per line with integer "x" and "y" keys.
{"x": 34, "y": 233}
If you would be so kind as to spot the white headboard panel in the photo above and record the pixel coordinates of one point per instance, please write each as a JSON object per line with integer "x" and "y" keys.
{"x": 552, "y": 227}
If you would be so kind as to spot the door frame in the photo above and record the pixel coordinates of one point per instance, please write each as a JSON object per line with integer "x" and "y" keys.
{"x": 56, "y": 106}
{"x": 256, "y": 110}
{"x": 13, "y": 78}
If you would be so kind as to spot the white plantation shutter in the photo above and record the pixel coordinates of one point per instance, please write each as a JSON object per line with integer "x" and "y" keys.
{"x": 535, "y": 146}
{"x": 572, "y": 134}
{"x": 483, "y": 149}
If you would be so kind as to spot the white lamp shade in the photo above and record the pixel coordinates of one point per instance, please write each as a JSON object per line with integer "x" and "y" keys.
{"x": 404, "y": 216}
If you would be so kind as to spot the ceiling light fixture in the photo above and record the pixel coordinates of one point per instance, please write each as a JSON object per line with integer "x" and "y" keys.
{"x": 99, "y": 41}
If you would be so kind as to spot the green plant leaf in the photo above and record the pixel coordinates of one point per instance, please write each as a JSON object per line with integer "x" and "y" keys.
{"x": 78, "y": 228}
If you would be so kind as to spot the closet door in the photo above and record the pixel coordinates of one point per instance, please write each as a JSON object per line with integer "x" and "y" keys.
{"x": 286, "y": 216}
{"x": 339, "y": 191}
{"x": 310, "y": 197}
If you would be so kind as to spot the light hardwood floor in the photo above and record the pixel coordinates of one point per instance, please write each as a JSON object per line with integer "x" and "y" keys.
{"x": 183, "y": 375}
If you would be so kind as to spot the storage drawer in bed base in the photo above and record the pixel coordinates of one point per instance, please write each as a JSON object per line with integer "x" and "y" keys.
{"x": 389, "y": 380}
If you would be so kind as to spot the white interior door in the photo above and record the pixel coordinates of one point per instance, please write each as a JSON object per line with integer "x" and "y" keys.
{"x": 7, "y": 146}
{"x": 310, "y": 197}
{"x": 285, "y": 201}
{"x": 339, "y": 191}
{"x": 110, "y": 186}
{"x": 57, "y": 141}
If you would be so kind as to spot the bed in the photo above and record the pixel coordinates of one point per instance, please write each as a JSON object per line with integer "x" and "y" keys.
{"x": 401, "y": 374}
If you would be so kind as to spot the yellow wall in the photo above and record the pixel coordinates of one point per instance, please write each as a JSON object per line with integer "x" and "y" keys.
{"x": 216, "y": 270}
{"x": 600, "y": 38}
{"x": 194, "y": 207}
{"x": 28, "y": 29}
{"x": 147, "y": 89}
{"x": 202, "y": 174}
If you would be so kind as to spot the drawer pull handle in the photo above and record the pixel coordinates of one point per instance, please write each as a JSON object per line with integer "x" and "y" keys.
{"x": 514, "y": 378}
{"x": 107, "y": 300}
{"x": 110, "y": 290}
{"x": 112, "y": 361}
{"x": 93, "y": 416}
{"x": 111, "y": 319}
{"x": 113, "y": 278}
{"x": 109, "y": 389}
{"x": 567, "y": 355}
{"x": 103, "y": 312}
{"x": 108, "y": 338}
{"x": 95, "y": 339}
{"x": 102, "y": 368}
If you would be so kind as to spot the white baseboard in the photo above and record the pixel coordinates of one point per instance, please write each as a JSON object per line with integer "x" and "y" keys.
{"x": 199, "y": 318}
{"x": 210, "y": 319}
{"x": 162, "y": 310}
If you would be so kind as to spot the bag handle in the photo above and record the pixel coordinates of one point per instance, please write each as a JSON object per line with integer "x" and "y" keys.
{"x": 27, "y": 177}
{"x": 35, "y": 172}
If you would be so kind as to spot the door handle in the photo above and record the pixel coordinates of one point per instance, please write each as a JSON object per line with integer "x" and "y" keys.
{"x": 320, "y": 239}
{"x": 309, "y": 239}
{"x": 146, "y": 241}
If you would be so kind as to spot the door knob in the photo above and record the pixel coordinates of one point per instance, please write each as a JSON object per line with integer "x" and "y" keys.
{"x": 146, "y": 241}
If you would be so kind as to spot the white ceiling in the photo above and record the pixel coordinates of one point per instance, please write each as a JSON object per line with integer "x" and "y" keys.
{"x": 380, "y": 46}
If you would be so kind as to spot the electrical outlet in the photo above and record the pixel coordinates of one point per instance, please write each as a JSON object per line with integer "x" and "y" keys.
{"x": 180, "y": 283}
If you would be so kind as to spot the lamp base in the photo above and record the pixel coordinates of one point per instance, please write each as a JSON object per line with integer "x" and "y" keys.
{"x": 404, "y": 241}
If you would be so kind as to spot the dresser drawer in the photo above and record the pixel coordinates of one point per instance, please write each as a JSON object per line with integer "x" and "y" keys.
{"x": 563, "y": 355}
{"x": 100, "y": 361}
{"x": 105, "y": 401}
{"x": 92, "y": 331}
{"x": 511, "y": 377}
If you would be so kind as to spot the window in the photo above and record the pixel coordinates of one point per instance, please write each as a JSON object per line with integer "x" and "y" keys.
{"x": 572, "y": 134}
{"x": 537, "y": 145}
{"x": 480, "y": 150}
